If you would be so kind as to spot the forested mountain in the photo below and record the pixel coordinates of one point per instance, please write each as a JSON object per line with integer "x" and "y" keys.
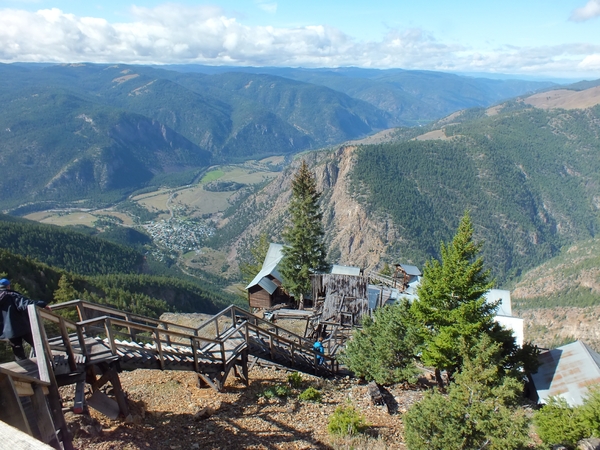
{"x": 529, "y": 177}
{"x": 93, "y": 133}
{"x": 409, "y": 96}
{"x": 36, "y": 256}
{"x": 570, "y": 279}
{"x": 68, "y": 250}
{"x": 142, "y": 294}
{"x": 60, "y": 148}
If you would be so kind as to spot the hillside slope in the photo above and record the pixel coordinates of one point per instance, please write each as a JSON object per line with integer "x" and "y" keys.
{"x": 528, "y": 176}
{"x": 560, "y": 299}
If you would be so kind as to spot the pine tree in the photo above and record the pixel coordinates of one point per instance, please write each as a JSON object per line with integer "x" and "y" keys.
{"x": 451, "y": 303}
{"x": 384, "y": 349}
{"x": 65, "y": 292}
{"x": 304, "y": 251}
{"x": 481, "y": 410}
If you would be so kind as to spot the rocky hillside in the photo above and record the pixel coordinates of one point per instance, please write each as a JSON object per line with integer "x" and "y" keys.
{"x": 354, "y": 237}
{"x": 560, "y": 300}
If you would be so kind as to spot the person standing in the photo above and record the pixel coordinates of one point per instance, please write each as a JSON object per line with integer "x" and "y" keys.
{"x": 14, "y": 320}
{"x": 318, "y": 347}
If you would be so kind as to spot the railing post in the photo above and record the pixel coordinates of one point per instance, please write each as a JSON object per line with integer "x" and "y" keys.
{"x": 46, "y": 373}
{"x": 223, "y": 356}
{"x": 109, "y": 336}
{"x": 67, "y": 341}
{"x": 167, "y": 338}
{"x": 195, "y": 351}
{"x": 161, "y": 358}
{"x": 130, "y": 330}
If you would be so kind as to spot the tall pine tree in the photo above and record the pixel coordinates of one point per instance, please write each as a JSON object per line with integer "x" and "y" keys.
{"x": 304, "y": 251}
{"x": 451, "y": 303}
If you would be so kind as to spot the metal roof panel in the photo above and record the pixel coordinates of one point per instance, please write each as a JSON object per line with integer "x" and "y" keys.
{"x": 567, "y": 372}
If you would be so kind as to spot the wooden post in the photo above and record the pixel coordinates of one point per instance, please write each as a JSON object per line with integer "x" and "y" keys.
{"x": 161, "y": 358}
{"x": 67, "y": 341}
{"x": 195, "y": 351}
{"x": 43, "y": 418}
{"x": 223, "y": 356}
{"x": 46, "y": 372}
{"x": 110, "y": 336}
{"x": 11, "y": 410}
{"x": 130, "y": 330}
{"x": 168, "y": 337}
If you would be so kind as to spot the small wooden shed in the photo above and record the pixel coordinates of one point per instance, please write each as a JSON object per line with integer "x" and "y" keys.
{"x": 265, "y": 291}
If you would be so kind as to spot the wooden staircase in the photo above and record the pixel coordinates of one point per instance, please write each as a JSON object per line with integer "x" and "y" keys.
{"x": 79, "y": 342}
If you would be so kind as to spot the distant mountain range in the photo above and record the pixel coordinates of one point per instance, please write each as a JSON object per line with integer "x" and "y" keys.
{"x": 93, "y": 133}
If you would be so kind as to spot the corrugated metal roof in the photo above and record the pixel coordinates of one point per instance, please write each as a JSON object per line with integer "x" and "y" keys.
{"x": 267, "y": 285}
{"x": 345, "y": 270}
{"x": 411, "y": 270}
{"x": 269, "y": 267}
{"x": 567, "y": 372}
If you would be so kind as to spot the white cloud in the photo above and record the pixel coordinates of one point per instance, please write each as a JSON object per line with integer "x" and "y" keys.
{"x": 589, "y": 11}
{"x": 178, "y": 34}
{"x": 270, "y": 7}
{"x": 591, "y": 62}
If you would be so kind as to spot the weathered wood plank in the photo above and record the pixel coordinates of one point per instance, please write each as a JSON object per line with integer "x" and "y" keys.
{"x": 12, "y": 438}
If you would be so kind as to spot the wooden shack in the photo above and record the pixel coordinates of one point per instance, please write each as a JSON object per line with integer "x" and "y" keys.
{"x": 265, "y": 291}
{"x": 344, "y": 298}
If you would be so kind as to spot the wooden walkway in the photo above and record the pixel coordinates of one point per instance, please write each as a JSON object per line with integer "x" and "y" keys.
{"x": 80, "y": 342}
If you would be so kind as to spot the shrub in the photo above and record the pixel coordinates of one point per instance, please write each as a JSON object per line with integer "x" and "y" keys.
{"x": 295, "y": 380}
{"x": 279, "y": 390}
{"x": 310, "y": 395}
{"x": 590, "y": 412}
{"x": 346, "y": 421}
{"x": 557, "y": 423}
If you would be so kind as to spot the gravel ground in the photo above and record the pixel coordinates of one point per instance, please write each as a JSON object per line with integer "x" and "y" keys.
{"x": 169, "y": 411}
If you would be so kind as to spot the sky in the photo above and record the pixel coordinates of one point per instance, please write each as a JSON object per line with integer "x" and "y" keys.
{"x": 534, "y": 38}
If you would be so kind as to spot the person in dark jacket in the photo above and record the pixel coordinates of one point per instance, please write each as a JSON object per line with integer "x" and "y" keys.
{"x": 14, "y": 320}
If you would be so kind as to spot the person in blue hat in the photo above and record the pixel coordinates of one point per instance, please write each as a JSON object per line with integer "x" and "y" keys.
{"x": 14, "y": 320}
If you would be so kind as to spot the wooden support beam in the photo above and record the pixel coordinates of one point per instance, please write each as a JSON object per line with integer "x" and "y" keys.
{"x": 43, "y": 356}
{"x": 79, "y": 402}
{"x": 43, "y": 418}
{"x": 11, "y": 410}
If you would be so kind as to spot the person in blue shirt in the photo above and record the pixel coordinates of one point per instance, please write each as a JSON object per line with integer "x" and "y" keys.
{"x": 318, "y": 347}
{"x": 14, "y": 320}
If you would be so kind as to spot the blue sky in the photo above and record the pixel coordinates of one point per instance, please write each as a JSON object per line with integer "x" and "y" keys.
{"x": 559, "y": 38}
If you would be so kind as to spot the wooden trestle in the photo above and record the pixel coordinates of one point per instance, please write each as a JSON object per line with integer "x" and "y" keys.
{"x": 102, "y": 341}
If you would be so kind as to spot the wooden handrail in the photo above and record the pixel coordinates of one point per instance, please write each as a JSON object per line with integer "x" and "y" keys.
{"x": 134, "y": 318}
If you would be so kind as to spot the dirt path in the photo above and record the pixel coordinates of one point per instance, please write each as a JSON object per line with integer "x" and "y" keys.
{"x": 169, "y": 412}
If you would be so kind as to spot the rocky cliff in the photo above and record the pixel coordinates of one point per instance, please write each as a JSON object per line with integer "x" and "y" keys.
{"x": 353, "y": 237}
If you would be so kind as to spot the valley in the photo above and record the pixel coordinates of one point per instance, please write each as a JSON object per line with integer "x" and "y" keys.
{"x": 199, "y": 163}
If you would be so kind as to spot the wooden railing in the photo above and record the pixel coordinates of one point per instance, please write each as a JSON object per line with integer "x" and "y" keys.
{"x": 114, "y": 323}
{"x": 208, "y": 340}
